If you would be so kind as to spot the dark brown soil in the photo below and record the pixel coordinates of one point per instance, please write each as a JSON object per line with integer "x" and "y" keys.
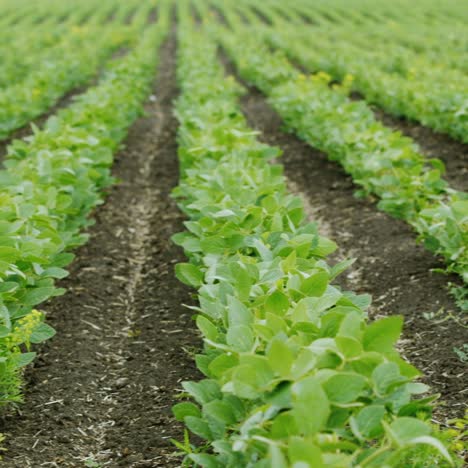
{"x": 389, "y": 264}
{"x": 102, "y": 389}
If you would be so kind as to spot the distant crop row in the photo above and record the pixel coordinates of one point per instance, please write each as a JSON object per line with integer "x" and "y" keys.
{"x": 35, "y": 78}
{"x": 50, "y": 184}
{"x": 381, "y": 161}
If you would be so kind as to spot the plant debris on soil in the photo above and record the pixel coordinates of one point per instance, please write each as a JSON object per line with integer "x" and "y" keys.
{"x": 102, "y": 389}
{"x": 389, "y": 265}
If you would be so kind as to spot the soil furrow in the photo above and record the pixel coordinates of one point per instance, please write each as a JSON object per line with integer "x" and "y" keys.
{"x": 102, "y": 389}
{"x": 390, "y": 265}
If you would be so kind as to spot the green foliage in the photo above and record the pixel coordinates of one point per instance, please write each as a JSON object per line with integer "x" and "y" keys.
{"x": 296, "y": 375}
{"x": 50, "y": 184}
{"x": 381, "y": 161}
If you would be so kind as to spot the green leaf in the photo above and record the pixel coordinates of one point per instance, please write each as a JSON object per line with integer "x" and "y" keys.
{"x": 324, "y": 247}
{"x": 222, "y": 364}
{"x": 24, "y": 359}
{"x": 385, "y": 376}
{"x": 207, "y": 327}
{"x": 55, "y": 272}
{"x": 280, "y": 357}
{"x": 35, "y": 296}
{"x": 189, "y": 274}
{"x": 184, "y": 409}
{"x": 42, "y": 333}
{"x": 203, "y": 391}
{"x": 238, "y": 313}
{"x": 240, "y": 338}
{"x": 221, "y": 411}
{"x": 8, "y": 287}
{"x": 311, "y": 407}
{"x": 367, "y": 424}
{"x": 437, "y": 444}
{"x": 244, "y": 382}
{"x": 350, "y": 347}
{"x": 205, "y": 461}
{"x": 199, "y": 427}
{"x": 277, "y": 303}
{"x": 382, "y": 335}
{"x": 340, "y": 268}
{"x": 276, "y": 457}
{"x": 261, "y": 366}
{"x": 403, "y": 430}
{"x": 303, "y": 450}
{"x": 344, "y": 387}
{"x": 315, "y": 285}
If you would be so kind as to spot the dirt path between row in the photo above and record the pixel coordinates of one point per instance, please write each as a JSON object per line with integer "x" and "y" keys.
{"x": 389, "y": 266}
{"x": 102, "y": 389}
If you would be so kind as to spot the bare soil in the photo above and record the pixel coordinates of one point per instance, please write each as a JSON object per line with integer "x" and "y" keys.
{"x": 103, "y": 388}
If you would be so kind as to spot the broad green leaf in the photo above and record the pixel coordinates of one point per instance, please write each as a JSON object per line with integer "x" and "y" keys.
{"x": 207, "y": 327}
{"x": 189, "y": 274}
{"x": 35, "y": 296}
{"x": 55, "y": 272}
{"x": 350, "y": 347}
{"x": 386, "y": 376}
{"x": 199, "y": 427}
{"x": 240, "y": 338}
{"x": 403, "y": 430}
{"x": 24, "y": 359}
{"x": 382, "y": 335}
{"x": 277, "y": 303}
{"x": 344, "y": 387}
{"x": 205, "y": 461}
{"x": 432, "y": 441}
{"x": 184, "y": 409}
{"x": 303, "y": 450}
{"x": 280, "y": 357}
{"x": 324, "y": 248}
{"x": 367, "y": 424}
{"x": 222, "y": 364}
{"x": 220, "y": 410}
{"x": 315, "y": 285}
{"x": 42, "y": 333}
{"x": 311, "y": 407}
{"x": 204, "y": 391}
{"x": 261, "y": 366}
{"x": 238, "y": 313}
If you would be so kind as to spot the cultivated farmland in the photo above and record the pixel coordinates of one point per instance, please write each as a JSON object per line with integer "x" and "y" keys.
{"x": 233, "y": 233}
